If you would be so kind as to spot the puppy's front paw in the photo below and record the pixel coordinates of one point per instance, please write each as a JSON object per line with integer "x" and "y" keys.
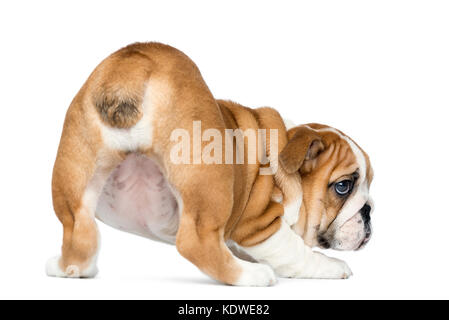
{"x": 53, "y": 269}
{"x": 332, "y": 268}
{"x": 256, "y": 275}
{"x": 318, "y": 266}
{"x": 347, "y": 273}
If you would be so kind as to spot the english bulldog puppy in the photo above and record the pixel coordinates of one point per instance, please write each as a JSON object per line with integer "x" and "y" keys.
{"x": 147, "y": 149}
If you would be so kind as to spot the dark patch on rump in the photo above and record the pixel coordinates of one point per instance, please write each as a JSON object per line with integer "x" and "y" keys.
{"x": 120, "y": 84}
{"x": 118, "y": 110}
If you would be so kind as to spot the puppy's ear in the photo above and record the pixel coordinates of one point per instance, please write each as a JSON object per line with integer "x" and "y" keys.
{"x": 301, "y": 150}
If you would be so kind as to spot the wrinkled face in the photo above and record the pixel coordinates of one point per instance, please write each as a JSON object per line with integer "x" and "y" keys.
{"x": 336, "y": 175}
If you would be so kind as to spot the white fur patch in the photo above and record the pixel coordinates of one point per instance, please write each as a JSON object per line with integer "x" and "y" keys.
{"x": 255, "y": 275}
{"x": 287, "y": 254}
{"x": 54, "y": 270}
{"x": 288, "y": 124}
{"x": 140, "y": 135}
{"x": 291, "y": 211}
{"x": 350, "y": 235}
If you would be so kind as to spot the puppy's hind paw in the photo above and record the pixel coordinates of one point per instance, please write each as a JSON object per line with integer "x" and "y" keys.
{"x": 53, "y": 269}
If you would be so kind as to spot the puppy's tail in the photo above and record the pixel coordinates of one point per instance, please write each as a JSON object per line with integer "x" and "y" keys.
{"x": 119, "y": 85}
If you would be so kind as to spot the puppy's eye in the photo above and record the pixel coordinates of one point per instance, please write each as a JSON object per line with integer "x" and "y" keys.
{"x": 344, "y": 187}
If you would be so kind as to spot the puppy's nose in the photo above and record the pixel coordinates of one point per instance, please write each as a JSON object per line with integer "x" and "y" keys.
{"x": 365, "y": 211}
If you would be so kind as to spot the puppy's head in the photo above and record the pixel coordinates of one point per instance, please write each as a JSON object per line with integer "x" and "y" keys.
{"x": 335, "y": 176}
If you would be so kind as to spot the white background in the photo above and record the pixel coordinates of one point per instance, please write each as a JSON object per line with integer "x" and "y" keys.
{"x": 378, "y": 70}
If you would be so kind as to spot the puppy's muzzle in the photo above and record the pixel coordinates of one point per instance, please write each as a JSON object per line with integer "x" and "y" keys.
{"x": 365, "y": 212}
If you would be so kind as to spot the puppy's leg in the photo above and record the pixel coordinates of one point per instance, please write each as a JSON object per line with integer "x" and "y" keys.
{"x": 79, "y": 174}
{"x": 287, "y": 254}
{"x": 206, "y": 207}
